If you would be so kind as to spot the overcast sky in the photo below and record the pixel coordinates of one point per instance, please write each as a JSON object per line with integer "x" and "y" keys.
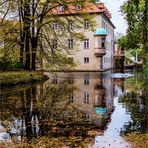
{"x": 117, "y": 18}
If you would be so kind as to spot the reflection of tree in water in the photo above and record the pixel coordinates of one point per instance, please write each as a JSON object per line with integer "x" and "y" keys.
{"x": 38, "y": 111}
{"x": 136, "y": 104}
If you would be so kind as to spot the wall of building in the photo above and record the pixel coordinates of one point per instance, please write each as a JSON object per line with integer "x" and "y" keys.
{"x": 94, "y": 62}
{"x": 108, "y": 58}
{"x": 78, "y": 53}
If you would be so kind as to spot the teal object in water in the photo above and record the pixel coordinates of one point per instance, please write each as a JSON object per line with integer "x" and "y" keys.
{"x": 100, "y": 110}
{"x": 101, "y": 31}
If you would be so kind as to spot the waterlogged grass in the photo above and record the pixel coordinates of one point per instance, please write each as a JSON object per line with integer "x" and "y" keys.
{"x": 19, "y": 77}
{"x": 138, "y": 140}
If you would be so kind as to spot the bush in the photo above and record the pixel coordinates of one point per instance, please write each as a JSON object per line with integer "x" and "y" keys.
{"x": 8, "y": 64}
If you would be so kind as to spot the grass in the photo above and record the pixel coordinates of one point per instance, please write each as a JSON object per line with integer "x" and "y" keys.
{"x": 138, "y": 140}
{"x": 11, "y": 78}
{"x": 49, "y": 142}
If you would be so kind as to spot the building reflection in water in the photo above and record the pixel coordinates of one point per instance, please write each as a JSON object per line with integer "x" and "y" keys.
{"x": 60, "y": 106}
{"x": 94, "y": 91}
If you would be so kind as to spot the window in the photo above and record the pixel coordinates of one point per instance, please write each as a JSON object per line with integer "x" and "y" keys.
{"x": 70, "y": 98}
{"x": 103, "y": 42}
{"x": 86, "y": 43}
{"x": 107, "y": 60}
{"x": 99, "y": 42}
{"x": 86, "y": 60}
{"x": 86, "y": 80}
{"x": 86, "y": 117}
{"x": 55, "y": 80}
{"x": 70, "y": 59}
{"x": 55, "y": 26}
{"x": 86, "y": 24}
{"x": 70, "y": 80}
{"x": 54, "y": 44}
{"x": 86, "y": 97}
{"x": 103, "y": 24}
{"x": 78, "y": 7}
{"x": 70, "y": 43}
{"x": 71, "y": 25}
{"x": 62, "y": 8}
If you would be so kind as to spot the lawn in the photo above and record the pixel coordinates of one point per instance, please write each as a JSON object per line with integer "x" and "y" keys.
{"x": 11, "y": 78}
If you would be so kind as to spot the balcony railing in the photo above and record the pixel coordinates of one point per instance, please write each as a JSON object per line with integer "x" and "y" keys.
{"x": 100, "y": 51}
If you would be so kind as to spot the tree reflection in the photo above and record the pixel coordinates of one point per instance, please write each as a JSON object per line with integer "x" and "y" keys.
{"x": 50, "y": 110}
{"x": 37, "y": 111}
{"x": 135, "y": 101}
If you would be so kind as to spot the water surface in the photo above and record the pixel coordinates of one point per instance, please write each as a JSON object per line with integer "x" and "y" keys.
{"x": 74, "y": 109}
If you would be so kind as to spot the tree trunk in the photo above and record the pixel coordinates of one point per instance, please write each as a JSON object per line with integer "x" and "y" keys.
{"x": 21, "y": 54}
{"x": 34, "y": 48}
{"x": 27, "y": 50}
{"x": 26, "y": 30}
{"x": 33, "y": 60}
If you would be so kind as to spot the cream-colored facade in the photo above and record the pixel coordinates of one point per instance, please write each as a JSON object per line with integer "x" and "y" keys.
{"x": 100, "y": 59}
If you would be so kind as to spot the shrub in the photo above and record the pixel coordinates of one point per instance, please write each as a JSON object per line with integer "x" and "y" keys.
{"x": 8, "y": 64}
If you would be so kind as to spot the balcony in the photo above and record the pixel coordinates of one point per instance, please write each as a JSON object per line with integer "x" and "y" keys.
{"x": 100, "y": 51}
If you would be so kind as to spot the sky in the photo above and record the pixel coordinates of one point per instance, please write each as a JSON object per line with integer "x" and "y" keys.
{"x": 117, "y": 18}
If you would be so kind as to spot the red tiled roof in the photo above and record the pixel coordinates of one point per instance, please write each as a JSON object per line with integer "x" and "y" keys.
{"x": 87, "y": 8}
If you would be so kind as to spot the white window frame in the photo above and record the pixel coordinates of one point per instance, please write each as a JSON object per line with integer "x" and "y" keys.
{"x": 55, "y": 25}
{"x": 70, "y": 59}
{"x": 86, "y": 98}
{"x": 86, "y": 80}
{"x": 86, "y": 24}
{"x": 86, "y": 43}
{"x": 86, "y": 60}
{"x": 103, "y": 43}
{"x": 70, "y": 43}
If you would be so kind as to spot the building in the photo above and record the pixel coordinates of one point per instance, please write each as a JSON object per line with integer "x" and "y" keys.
{"x": 95, "y": 52}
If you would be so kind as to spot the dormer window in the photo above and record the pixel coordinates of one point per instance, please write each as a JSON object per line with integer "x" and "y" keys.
{"x": 78, "y": 7}
{"x": 62, "y": 8}
{"x": 97, "y": 1}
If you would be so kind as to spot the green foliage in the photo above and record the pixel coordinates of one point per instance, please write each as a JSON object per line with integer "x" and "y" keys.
{"x": 122, "y": 43}
{"x": 9, "y": 64}
{"x": 135, "y": 100}
{"x": 137, "y": 34}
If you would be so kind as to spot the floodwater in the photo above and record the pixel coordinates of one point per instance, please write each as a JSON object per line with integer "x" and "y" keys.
{"x": 85, "y": 109}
